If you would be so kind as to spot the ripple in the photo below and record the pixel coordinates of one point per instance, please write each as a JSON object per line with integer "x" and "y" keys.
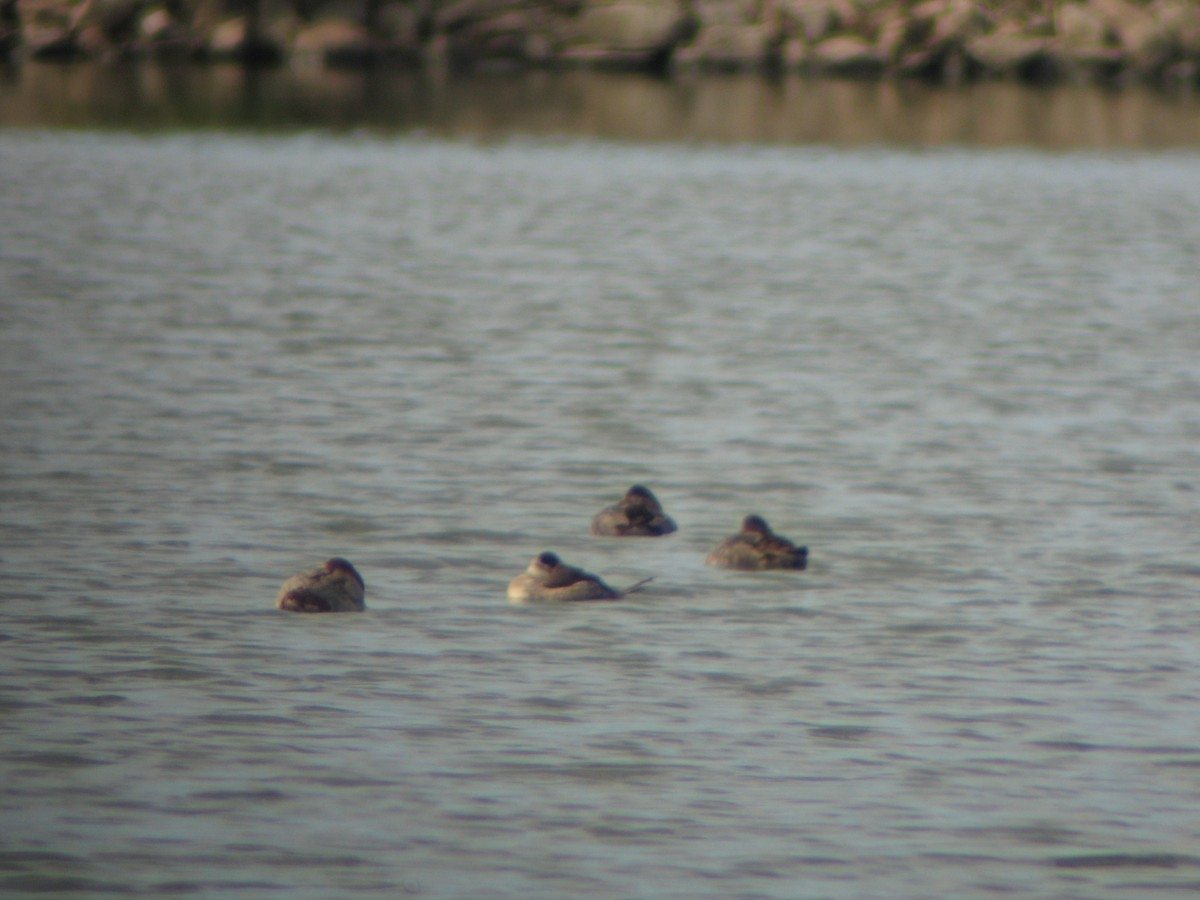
{"x": 62, "y": 884}
{"x": 161, "y": 673}
{"x": 192, "y": 887}
{"x": 596, "y": 772}
{"x": 12, "y": 859}
{"x": 99, "y": 700}
{"x": 246, "y": 719}
{"x": 1126, "y": 860}
{"x": 52, "y": 759}
{"x": 256, "y": 795}
{"x": 850, "y": 734}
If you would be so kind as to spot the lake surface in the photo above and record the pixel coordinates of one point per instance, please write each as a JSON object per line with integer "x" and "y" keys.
{"x": 967, "y": 377}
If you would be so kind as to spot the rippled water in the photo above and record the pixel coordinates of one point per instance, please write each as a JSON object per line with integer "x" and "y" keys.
{"x": 968, "y": 380}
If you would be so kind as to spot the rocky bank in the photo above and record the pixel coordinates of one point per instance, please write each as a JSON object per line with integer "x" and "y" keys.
{"x": 945, "y": 40}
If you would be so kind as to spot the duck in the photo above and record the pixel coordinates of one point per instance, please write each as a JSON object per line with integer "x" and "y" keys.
{"x": 638, "y": 514}
{"x": 756, "y": 546}
{"x": 334, "y": 586}
{"x": 549, "y": 580}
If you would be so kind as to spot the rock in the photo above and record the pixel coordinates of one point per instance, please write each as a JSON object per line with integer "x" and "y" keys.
{"x": 1081, "y": 40}
{"x": 342, "y": 40}
{"x": 1079, "y": 27}
{"x": 846, "y": 53}
{"x": 1138, "y": 32}
{"x": 892, "y": 34}
{"x": 232, "y": 39}
{"x": 629, "y": 26}
{"x": 935, "y": 38}
{"x": 506, "y": 38}
{"x": 330, "y": 36}
{"x": 228, "y": 36}
{"x": 1180, "y": 20}
{"x": 639, "y": 34}
{"x": 725, "y": 12}
{"x": 731, "y": 46}
{"x": 952, "y": 21}
{"x": 50, "y": 31}
{"x": 155, "y": 24}
{"x": 162, "y": 36}
{"x": 1006, "y": 49}
{"x": 814, "y": 19}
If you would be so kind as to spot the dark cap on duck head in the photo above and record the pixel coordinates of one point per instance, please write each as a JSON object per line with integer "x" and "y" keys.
{"x": 755, "y": 525}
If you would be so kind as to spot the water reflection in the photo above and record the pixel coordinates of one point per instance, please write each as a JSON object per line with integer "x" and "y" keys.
{"x": 614, "y": 106}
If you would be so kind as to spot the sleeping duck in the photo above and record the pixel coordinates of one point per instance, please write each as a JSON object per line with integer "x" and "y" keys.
{"x": 335, "y": 586}
{"x": 549, "y": 580}
{"x": 638, "y": 514}
{"x": 756, "y": 546}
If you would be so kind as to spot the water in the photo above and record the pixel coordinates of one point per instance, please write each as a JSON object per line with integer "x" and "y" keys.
{"x": 968, "y": 379}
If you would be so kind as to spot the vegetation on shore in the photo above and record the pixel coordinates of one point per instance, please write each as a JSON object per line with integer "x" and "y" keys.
{"x": 944, "y": 40}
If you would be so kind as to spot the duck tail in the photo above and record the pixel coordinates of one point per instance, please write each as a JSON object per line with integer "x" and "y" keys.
{"x": 634, "y": 588}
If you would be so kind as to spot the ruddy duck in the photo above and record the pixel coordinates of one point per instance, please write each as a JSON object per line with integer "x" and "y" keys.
{"x": 756, "y": 546}
{"x": 335, "y": 586}
{"x": 639, "y": 514}
{"x": 549, "y": 579}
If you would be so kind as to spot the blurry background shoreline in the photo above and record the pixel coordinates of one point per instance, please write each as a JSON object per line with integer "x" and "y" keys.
{"x": 726, "y": 108}
{"x": 941, "y": 41}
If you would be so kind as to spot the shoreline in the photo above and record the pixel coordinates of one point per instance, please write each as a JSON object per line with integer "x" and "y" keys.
{"x": 942, "y": 41}
{"x": 721, "y": 109}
